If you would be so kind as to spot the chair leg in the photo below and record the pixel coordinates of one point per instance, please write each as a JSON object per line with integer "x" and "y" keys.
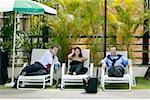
{"x": 130, "y": 84}
{"x": 62, "y": 84}
{"x": 133, "y": 81}
{"x": 43, "y": 83}
{"x": 103, "y": 86}
{"x": 18, "y": 83}
{"x": 19, "y": 86}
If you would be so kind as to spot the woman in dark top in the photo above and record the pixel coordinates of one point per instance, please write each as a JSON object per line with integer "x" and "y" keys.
{"x": 76, "y": 63}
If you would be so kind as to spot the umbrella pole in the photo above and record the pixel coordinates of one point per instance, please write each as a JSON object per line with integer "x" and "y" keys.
{"x": 14, "y": 43}
{"x": 13, "y": 60}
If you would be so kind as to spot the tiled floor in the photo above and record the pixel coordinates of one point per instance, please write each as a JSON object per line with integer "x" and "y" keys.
{"x": 71, "y": 93}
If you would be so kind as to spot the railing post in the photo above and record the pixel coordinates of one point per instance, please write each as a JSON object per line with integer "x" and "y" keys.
{"x": 105, "y": 27}
{"x": 145, "y": 52}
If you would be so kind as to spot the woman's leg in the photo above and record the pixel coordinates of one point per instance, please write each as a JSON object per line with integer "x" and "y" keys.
{"x": 83, "y": 70}
{"x": 78, "y": 68}
{"x": 72, "y": 69}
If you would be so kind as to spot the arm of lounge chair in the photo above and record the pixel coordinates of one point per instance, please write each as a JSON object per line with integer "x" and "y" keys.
{"x": 51, "y": 74}
{"x": 91, "y": 69}
{"x": 102, "y": 75}
{"x": 103, "y": 70}
{"x": 63, "y": 69}
{"x": 131, "y": 73}
{"x": 62, "y": 75}
{"x": 130, "y": 67}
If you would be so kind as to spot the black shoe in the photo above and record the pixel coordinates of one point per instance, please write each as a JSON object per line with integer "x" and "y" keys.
{"x": 58, "y": 85}
{"x": 15, "y": 85}
{"x": 54, "y": 82}
{"x": 70, "y": 73}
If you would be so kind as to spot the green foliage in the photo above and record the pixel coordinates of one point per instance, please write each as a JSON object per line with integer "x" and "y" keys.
{"x": 74, "y": 19}
{"x": 92, "y": 25}
{"x": 7, "y": 32}
{"x": 129, "y": 16}
{"x": 59, "y": 33}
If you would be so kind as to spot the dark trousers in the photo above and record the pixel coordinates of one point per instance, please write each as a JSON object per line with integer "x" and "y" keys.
{"x": 35, "y": 68}
{"x": 78, "y": 69}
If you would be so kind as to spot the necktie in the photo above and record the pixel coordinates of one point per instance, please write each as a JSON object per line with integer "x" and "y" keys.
{"x": 113, "y": 62}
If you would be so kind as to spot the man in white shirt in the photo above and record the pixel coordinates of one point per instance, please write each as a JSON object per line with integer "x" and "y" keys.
{"x": 42, "y": 66}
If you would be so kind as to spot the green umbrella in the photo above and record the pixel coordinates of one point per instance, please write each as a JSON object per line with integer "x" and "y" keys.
{"x": 23, "y": 7}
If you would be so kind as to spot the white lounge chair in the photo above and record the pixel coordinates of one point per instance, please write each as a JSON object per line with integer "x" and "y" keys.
{"x": 77, "y": 79}
{"x": 127, "y": 78}
{"x": 38, "y": 79}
